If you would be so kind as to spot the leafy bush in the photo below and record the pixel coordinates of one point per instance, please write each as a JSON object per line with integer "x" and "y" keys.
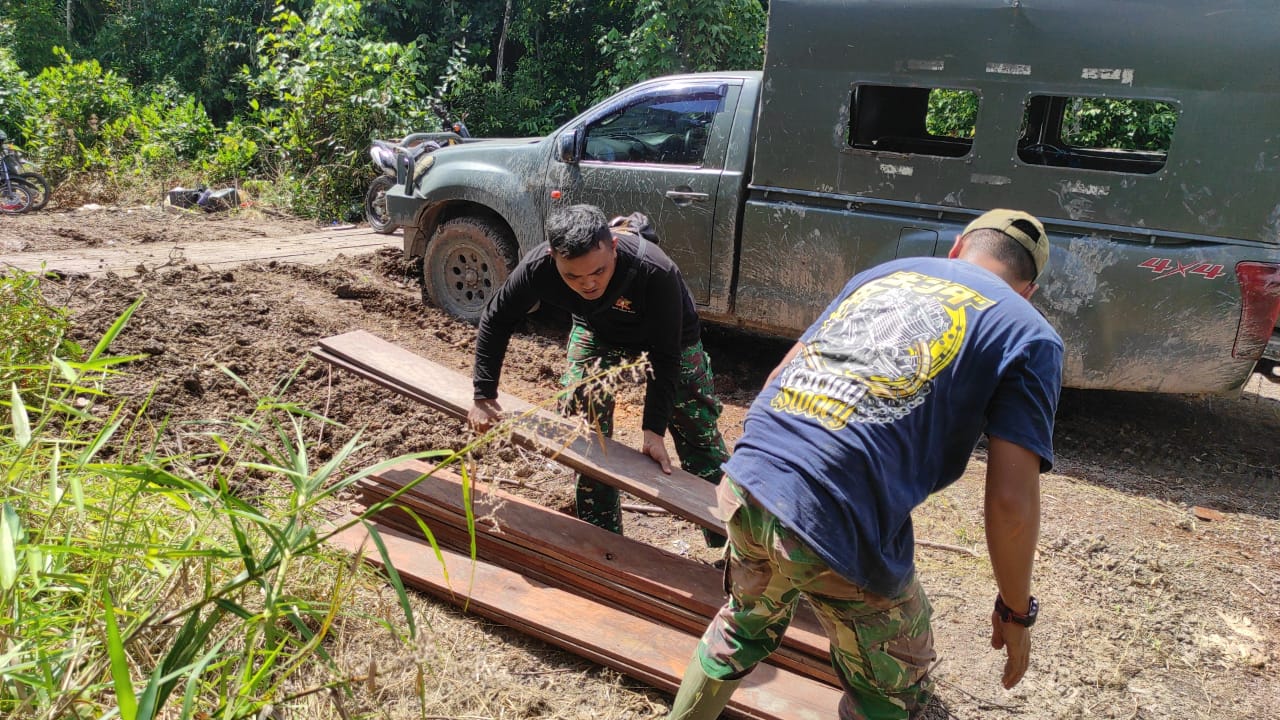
{"x": 323, "y": 90}
{"x": 72, "y": 104}
{"x": 15, "y": 96}
{"x": 234, "y": 153}
{"x": 673, "y": 36}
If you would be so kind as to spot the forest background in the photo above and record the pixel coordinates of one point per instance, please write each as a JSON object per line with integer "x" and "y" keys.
{"x": 116, "y": 100}
{"x": 119, "y": 100}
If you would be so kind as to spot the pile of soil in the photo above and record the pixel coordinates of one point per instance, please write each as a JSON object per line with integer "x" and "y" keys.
{"x": 1158, "y": 564}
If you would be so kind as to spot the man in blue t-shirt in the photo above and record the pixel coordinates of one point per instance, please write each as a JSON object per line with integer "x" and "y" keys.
{"x": 879, "y": 404}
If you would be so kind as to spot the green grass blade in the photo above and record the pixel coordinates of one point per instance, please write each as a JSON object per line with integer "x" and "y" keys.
{"x": 125, "y": 697}
{"x": 150, "y": 694}
{"x": 18, "y": 411}
{"x": 234, "y": 608}
{"x": 67, "y": 372}
{"x": 8, "y": 554}
{"x": 394, "y": 577}
{"x": 105, "y": 341}
{"x": 55, "y": 487}
{"x": 431, "y": 540}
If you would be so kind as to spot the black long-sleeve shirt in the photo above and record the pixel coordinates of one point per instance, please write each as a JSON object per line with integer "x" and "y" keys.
{"x": 649, "y": 309}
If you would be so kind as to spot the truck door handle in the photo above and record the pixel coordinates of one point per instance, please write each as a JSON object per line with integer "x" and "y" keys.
{"x": 684, "y": 197}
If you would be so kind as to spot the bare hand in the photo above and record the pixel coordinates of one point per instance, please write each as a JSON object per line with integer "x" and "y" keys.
{"x": 1017, "y": 643}
{"x": 484, "y": 414}
{"x": 655, "y": 448}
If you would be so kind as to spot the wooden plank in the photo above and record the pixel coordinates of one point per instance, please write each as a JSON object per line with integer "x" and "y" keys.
{"x": 654, "y": 571}
{"x": 603, "y": 459}
{"x": 512, "y": 556}
{"x": 680, "y": 592}
{"x": 648, "y": 651}
{"x": 307, "y": 249}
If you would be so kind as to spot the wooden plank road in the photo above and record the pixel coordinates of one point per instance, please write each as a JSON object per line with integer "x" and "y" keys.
{"x": 444, "y": 389}
{"x": 638, "y": 647}
{"x": 312, "y": 248}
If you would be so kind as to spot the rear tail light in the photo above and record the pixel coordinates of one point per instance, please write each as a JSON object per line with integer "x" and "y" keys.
{"x": 1259, "y": 306}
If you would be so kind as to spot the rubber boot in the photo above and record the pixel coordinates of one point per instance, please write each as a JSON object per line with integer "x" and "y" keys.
{"x": 700, "y": 697}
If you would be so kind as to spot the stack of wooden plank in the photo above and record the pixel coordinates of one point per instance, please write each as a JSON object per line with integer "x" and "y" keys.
{"x": 617, "y": 601}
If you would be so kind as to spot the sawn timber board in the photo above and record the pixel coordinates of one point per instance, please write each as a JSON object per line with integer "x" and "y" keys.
{"x": 640, "y": 648}
{"x": 633, "y": 573}
{"x": 449, "y": 391}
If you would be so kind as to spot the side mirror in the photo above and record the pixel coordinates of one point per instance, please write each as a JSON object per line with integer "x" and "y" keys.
{"x": 569, "y": 146}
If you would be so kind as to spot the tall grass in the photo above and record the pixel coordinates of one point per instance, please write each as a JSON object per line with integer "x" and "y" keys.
{"x": 173, "y": 570}
{"x": 138, "y": 581}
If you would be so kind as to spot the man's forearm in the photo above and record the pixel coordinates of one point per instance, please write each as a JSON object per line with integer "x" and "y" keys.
{"x": 1012, "y": 511}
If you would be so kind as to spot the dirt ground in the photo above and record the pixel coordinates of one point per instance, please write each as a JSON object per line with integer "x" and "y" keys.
{"x": 1148, "y": 610}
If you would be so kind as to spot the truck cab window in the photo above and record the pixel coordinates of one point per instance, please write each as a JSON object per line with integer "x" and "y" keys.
{"x": 913, "y": 120}
{"x": 1082, "y": 132}
{"x": 667, "y": 129}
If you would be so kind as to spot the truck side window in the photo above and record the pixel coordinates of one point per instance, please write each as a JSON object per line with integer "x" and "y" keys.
{"x": 912, "y": 120}
{"x": 1083, "y": 132}
{"x": 668, "y": 129}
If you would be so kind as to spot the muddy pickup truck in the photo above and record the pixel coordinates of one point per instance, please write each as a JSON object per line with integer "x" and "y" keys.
{"x": 770, "y": 189}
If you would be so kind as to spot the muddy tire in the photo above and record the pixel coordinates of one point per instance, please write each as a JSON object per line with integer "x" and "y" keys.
{"x": 467, "y": 260}
{"x": 375, "y": 205}
{"x": 16, "y": 198}
{"x": 38, "y": 186}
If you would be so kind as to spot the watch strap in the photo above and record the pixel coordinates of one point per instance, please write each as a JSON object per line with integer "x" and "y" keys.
{"x": 1026, "y": 619}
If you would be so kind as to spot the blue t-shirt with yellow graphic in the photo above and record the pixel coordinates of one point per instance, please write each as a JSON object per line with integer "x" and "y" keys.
{"x": 895, "y": 383}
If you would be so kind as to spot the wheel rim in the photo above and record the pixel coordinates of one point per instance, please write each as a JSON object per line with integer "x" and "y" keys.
{"x": 14, "y": 200}
{"x": 470, "y": 277}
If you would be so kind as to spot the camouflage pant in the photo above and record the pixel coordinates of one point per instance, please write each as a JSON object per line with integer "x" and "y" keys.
{"x": 693, "y": 420}
{"x": 881, "y": 647}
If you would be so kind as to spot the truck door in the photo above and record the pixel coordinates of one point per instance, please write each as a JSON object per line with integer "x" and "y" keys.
{"x": 659, "y": 149}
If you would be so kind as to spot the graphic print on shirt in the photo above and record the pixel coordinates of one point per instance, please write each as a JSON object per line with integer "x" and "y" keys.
{"x": 875, "y": 356}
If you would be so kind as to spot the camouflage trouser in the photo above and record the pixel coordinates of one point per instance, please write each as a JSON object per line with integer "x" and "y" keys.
{"x": 881, "y": 647}
{"x": 693, "y": 419}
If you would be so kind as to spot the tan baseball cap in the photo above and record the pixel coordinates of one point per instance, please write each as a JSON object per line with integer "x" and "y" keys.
{"x": 1021, "y": 226}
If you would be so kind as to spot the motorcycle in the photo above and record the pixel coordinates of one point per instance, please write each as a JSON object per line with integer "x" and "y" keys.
{"x": 383, "y": 155}
{"x": 21, "y": 189}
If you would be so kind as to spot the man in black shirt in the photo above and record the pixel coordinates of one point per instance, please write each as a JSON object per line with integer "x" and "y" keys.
{"x": 626, "y": 297}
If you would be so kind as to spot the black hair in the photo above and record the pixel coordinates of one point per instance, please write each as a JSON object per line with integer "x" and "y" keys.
{"x": 576, "y": 230}
{"x": 1005, "y": 250}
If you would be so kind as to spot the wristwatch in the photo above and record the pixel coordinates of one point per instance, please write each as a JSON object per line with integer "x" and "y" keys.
{"x": 1025, "y": 620}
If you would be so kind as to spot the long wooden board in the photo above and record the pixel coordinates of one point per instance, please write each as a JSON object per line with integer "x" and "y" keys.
{"x": 518, "y": 533}
{"x": 606, "y": 460}
{"x": 306, "y": 249}
{"x": 648, "y": 651}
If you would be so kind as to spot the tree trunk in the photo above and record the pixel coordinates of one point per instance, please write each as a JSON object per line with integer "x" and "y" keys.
{"x": 69, "y": 23}
{"x": 502, "y": 42}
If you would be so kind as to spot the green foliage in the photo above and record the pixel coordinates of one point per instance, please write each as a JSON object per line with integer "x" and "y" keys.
{"x": 323, "y": 89}
{"x": 233, "y": 155}
{"x": 142, "y": 583}
{"x": 204, "y": 45}
{"x": 32, "y": 331}
{"x": 72, "y": 104}
{"x": 952, "y": 113}
{"x": 36, "y": 27}
{"x": 684, "y": 36}
{"x": 15, "y": 95}
{"x": 1119, "y": 123}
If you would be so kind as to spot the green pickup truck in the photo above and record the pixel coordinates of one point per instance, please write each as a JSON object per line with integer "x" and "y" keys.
{"x": 770, "y": 189}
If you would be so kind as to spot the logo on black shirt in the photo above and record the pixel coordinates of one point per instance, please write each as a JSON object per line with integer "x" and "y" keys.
{"x": 624, "y": 305}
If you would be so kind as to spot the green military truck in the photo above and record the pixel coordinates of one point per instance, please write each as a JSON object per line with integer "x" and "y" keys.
{"x": 878, "y": 130}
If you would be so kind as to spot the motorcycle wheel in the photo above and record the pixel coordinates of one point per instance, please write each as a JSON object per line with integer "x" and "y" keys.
{"x": 14, "y": 199}
{"x": 375, "y": 205}
{"x": 39, "y": 189}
